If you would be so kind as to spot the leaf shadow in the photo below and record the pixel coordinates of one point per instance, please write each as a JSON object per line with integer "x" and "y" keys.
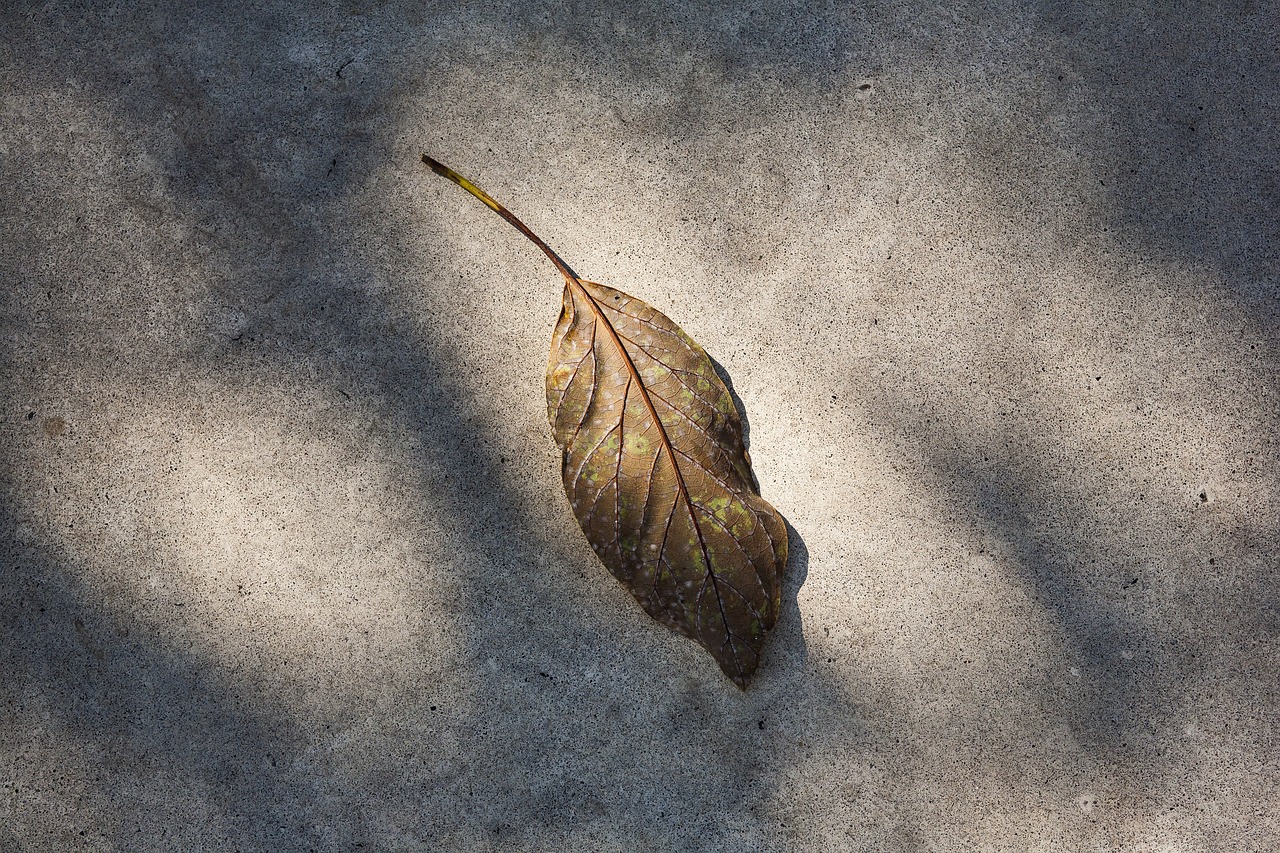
{"x": 797, "y": 570}
{"x": 791, "y": 618}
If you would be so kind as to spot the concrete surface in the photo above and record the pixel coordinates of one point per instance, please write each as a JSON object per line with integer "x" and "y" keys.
{"x": 286, "y": 562}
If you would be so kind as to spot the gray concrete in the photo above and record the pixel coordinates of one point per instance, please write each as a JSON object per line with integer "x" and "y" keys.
{"x": 286, "y": 564}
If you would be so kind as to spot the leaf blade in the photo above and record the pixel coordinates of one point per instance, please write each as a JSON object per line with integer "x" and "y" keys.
{"x": 656, "y": 435}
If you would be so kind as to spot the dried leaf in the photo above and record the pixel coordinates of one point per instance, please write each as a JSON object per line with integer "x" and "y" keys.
{"x": 655, "y": 467}
{"x": 656, "y": 472}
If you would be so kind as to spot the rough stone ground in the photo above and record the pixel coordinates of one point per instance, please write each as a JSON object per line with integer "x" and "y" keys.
{"x": 286, "y": 563}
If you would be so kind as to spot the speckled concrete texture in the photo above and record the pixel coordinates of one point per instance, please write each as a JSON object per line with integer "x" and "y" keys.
{"x": 286, "y": 564}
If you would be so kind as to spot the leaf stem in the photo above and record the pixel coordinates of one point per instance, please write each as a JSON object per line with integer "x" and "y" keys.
{"x": 445, "y": 172}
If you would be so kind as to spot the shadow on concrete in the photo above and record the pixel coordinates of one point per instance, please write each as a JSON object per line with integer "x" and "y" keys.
{"x": 1157, "y": 603}
{"x": 259, "y": 163}
{"x": 144, "y": 717}
{"x": 262, "y": 158}
{"x": 1087, "y": 582}
{"x": 1172, "y": 108}
{"x": 1175, "y": 108}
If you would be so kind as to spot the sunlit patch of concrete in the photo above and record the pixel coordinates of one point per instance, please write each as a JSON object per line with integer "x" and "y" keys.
{"x": 293, "y": 553}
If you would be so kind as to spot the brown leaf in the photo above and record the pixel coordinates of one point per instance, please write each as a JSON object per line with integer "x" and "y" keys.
{"x": 655, "y": 467}
{"x": 656, "y": 473}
